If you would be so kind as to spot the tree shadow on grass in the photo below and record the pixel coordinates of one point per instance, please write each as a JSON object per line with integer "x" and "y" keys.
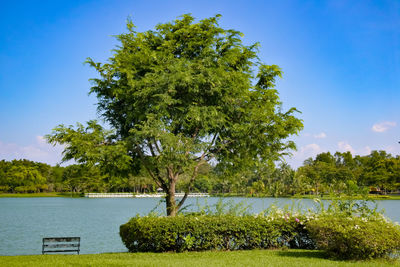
{"x": 303, "y": 254}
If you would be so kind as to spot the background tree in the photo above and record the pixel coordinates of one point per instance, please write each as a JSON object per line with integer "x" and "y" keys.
{"x": 185, "y": 94}
{"x": 343, "y": 173}
{"x": 378, "y": 172}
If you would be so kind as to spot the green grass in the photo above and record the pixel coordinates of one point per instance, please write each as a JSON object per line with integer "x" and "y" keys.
{"x": 284, "y": 258}
{"x": 389, "y": 197}
{"x": 326, "y": 197}
{"x": 356, "y": 197}
{"x": 52, "y": 194}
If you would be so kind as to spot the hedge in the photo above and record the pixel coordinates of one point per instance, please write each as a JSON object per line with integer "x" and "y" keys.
{"x": 341, "y": 236}
{"x": 224, "y": 232}
{"x": 355, "y": 237}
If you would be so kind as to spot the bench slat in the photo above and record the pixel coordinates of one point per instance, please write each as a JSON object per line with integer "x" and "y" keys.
{"x": 54, "y": 251}
{"x": 61, "y": 246}
{"x": 61, "y": 239}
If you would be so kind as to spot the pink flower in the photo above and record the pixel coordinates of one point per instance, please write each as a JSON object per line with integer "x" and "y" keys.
{"x": 297, "y": 220}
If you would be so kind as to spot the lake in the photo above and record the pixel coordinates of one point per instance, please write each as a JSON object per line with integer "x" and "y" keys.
{"x": 25, "y": 221}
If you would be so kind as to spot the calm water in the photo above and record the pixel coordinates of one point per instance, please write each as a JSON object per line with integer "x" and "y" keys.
{"x": 25, "y": 221}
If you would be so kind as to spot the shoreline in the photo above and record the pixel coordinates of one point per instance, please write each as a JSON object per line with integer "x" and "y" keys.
{"x": 29, "y": 195}
{"x": 324, "y": 197}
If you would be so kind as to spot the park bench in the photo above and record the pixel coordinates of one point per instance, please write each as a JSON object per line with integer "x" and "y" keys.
{"x": 61, "y": 244}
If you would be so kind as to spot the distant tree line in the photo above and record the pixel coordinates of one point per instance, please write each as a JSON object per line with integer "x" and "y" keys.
{"x": 378, "y": 172}
{"x": 24, "y": 176}
{"x": 339, "y": 173}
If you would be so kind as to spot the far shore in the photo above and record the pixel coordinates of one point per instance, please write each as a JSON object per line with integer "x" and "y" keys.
{"x": 47, "y": 194}
{"x": 326, "y": 197}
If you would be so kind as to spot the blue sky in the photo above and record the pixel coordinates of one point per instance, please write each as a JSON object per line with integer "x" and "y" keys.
{"x": 341, "y": 63}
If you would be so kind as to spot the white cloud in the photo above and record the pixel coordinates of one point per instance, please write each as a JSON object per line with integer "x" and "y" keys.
{"x": 40, "y": 151}
{"x": 366, "y": 151}
{"x": 303, "y": 153}
{"x": 320, "y": 135}
{"x": 394, "y": 150}
{"x": 383, "y": 126}
{"x": 344, "y": 146}
{"x": 310, "y": 148}
{"x": 41, "y": 141}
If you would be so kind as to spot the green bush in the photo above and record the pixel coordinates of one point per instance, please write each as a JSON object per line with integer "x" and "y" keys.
{"x": 205, "y": 232}
{"x": 355, "y": 237}
{"x": 4, "y": 188}
{"x": 344, "y": 229}
{"x": 25, "y": 189}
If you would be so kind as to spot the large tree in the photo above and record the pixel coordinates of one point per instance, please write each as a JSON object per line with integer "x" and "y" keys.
{"x": 184, "y": 94}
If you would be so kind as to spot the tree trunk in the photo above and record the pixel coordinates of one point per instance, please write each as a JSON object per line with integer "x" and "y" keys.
{"x": 170, "y": 200}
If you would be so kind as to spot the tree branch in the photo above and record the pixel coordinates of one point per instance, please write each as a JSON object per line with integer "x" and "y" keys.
{"x": 194, "y": 175}
{"x": 157, "y": 147}
{"x": 157, "y": 179}
{"x": 151, "y": 148}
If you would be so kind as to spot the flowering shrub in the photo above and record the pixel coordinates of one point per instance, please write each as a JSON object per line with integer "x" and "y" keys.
{"x": 355, "y": 237}
{"x": 224, "y": 232}
{"x": 345, "y": 229}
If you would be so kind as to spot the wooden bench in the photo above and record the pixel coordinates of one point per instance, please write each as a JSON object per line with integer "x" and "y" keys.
{"x": 61, "y": 244}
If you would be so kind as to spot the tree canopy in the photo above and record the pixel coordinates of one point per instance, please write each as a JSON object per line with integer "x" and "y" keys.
{"x": 181, "y": 95}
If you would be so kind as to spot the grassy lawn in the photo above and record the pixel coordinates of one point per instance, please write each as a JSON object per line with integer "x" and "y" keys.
{"x": 285, "y": 258}
{"x": 326, "y": 197}
{"x": 359, "y": 197}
